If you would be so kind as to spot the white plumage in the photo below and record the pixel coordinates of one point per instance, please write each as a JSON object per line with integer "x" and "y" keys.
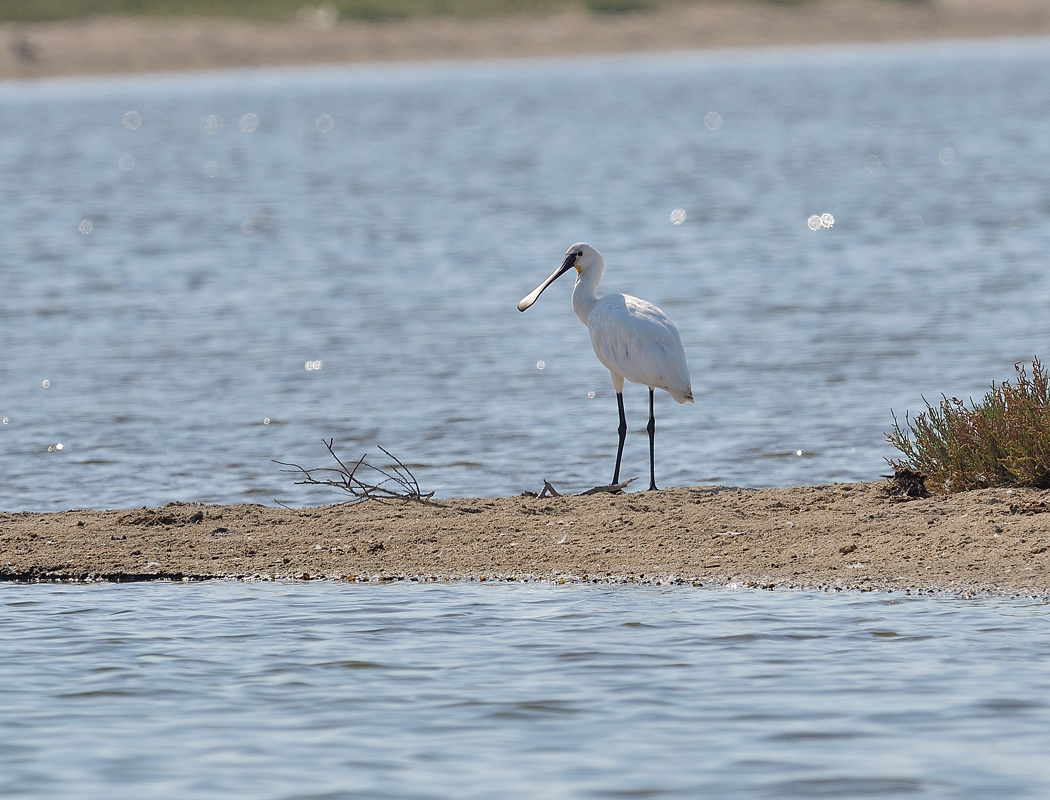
{"x": 634, "y": 339}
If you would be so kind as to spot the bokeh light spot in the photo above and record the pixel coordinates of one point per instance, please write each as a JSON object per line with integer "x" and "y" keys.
{"x": 319, "y": 18}
{"x": 256, "y": 221}
{"x": 211, "y": 124}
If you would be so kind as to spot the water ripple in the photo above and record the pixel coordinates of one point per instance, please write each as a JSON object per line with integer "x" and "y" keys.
{"x": 287, "y": 691}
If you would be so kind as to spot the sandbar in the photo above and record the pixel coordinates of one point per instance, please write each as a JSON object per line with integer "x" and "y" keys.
{"x": 836, "y": 536}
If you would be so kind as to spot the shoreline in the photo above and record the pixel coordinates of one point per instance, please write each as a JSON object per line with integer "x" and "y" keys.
{"x": 111, "y": 45}
{"x": 833, "y": 537}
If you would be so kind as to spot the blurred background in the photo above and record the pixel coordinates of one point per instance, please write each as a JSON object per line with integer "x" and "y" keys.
{"x": 279, "y": 10}
{"x": 69, "y": 37}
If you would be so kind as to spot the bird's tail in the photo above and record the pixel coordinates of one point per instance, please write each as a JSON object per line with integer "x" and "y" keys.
{"x": 680, "y": 396}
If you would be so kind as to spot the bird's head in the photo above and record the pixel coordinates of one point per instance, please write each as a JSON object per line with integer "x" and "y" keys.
{"x": 580, "y": 256}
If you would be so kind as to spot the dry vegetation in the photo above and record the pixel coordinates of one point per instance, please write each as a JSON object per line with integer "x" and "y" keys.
{"x": 363, "y": 481}
{"x": 278, "y": 10}
{"x": 269, "y": 10}
{"x": 1002, "y": 441}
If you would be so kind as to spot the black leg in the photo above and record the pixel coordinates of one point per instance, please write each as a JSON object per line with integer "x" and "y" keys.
{"x": 651, "y": 427}
{"x": 622, "y": 430}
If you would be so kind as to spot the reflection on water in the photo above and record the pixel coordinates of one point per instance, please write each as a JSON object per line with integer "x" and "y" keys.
{"x": 176, "y": 248}
{"x": 340, "y": 690}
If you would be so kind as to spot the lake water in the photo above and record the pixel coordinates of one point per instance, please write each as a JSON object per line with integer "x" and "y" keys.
{"x": 382, "y": 223}
{"x": 479, "y": 691}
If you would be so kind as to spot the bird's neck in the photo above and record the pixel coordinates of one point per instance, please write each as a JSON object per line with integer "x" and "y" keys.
{"x": 585, "y": 293}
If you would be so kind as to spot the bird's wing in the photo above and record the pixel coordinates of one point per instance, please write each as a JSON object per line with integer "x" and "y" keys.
{"x": 637, "y": 340}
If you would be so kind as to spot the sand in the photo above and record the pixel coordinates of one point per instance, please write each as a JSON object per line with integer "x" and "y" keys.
{"x": 840, "y": 536}
{"x": 114, "y": 45}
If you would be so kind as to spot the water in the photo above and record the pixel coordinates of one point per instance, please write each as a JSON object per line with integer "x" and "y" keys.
{"x": 382, "y": 222}
{"x": 430, "y": 691}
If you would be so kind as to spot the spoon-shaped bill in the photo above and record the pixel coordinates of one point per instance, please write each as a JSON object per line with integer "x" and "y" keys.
{"x": 533, "y": 296}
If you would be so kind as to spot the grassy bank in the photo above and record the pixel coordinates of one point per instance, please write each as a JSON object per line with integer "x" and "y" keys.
{"x": 50, "y": 38}
{"x": 271, "y": 10}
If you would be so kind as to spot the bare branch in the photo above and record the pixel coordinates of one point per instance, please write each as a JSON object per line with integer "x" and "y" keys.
{"x": 612, "y": 488}
{"x": 346, "y": 478}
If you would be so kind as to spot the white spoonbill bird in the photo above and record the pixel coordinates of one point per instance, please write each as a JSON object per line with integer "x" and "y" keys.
{"x": 634, "y": 339}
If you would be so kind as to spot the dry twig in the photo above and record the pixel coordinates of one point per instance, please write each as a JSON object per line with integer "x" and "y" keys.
{"x": 611, "y": 488}
{"x": 394, "y": 483}
{"x": 548, "y": 490}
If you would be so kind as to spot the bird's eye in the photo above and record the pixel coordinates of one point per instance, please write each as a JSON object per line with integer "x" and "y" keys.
{"x": 579, "y": 253}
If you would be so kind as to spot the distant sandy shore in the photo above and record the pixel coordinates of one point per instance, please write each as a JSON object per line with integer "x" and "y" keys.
{"x": 115, "y": 45}
{"x": 840, "y": 536}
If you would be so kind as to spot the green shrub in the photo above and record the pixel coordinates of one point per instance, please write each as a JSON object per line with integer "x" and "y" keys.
{"x": 1003, "y": 441}
{"x": 617, "y": 6}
